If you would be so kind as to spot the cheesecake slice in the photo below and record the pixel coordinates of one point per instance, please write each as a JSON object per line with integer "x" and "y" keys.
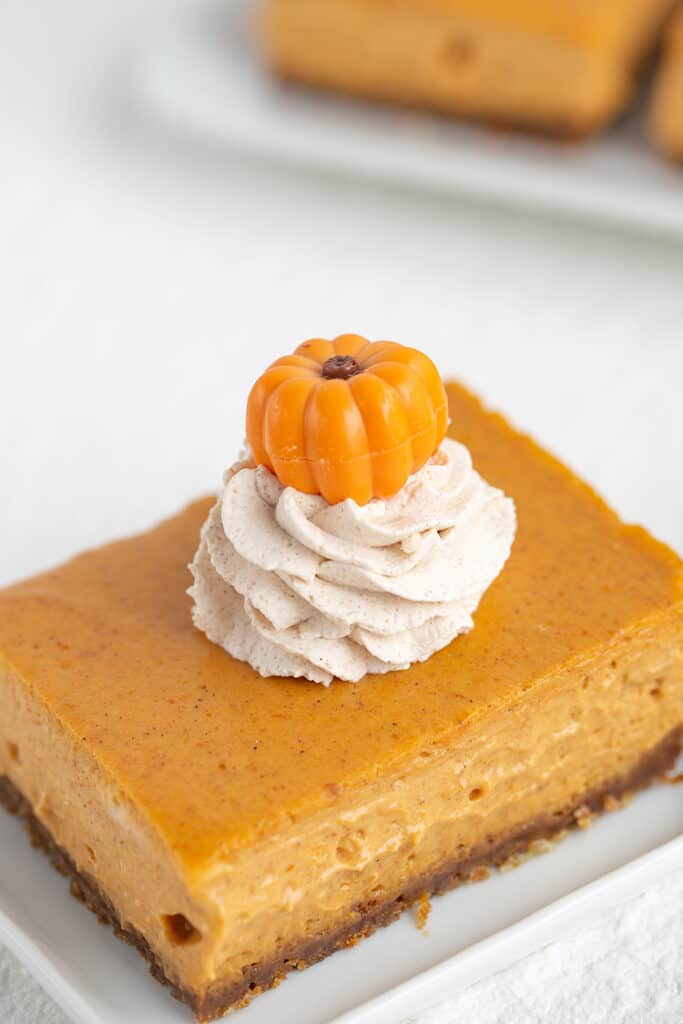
{"x": 557, "y": 67}
{"x": 234, "y": 827}
{"x": 666, "y": 112}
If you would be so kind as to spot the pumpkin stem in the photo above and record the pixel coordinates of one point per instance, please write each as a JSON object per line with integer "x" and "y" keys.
{"x": 340, "y": 368}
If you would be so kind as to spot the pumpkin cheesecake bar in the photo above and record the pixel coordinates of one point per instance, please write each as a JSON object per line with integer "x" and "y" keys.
{"x": 234, "y": 827}
{"x": 666, "y": 112}
{"x": 557, "y": 67}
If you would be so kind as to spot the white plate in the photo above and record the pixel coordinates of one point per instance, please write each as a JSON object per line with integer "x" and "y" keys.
{"x": 472, "y": 932}
{"x": 203, "y": 75}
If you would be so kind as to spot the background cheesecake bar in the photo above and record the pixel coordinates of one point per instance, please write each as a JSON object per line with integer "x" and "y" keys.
{"x": 560, "y": 67}
{"x": 234, "y": 827}
{"x": 666, "y": 114}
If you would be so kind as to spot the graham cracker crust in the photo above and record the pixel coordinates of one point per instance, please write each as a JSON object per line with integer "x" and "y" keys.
{"x": 496, "y": 851}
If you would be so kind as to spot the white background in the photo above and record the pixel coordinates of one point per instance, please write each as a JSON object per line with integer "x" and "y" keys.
{"x": 145, "y": 280}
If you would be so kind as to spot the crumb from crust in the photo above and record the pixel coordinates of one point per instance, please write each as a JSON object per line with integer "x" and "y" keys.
{"x": 536, "y": 848}
{"x": 513, "y": 862}
{"x": 479, "y": 874}
{"x": 616, "y": 803}
{"x": 584, "y": 817}
{"x": 424, "y": 909}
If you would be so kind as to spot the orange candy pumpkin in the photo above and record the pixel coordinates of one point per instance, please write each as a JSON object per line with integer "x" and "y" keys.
{"x": 347, "y": 418}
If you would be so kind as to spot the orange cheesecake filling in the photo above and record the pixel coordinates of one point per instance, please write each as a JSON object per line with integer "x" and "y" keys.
{"x": 666, "y": 112}
{"x": 567, "y": 736}
{"x": 565, "y": 68}
{"x": 225, "y": 816}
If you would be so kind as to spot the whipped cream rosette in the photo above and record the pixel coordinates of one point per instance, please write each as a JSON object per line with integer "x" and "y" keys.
{"x": 298, "y": 586}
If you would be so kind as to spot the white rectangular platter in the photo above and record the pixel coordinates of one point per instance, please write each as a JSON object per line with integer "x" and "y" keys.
{"x": 202, "y": 76}
{"x": 472, "y": 932}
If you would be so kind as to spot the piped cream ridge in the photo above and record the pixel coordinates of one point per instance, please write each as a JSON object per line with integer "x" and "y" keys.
{"x": 298, "y": 587}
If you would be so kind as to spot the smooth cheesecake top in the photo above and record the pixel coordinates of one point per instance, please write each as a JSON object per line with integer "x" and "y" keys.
{"x": 215, "y": 755}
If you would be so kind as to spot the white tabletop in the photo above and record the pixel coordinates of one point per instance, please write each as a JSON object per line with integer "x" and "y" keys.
{"x": 145, "y": 279}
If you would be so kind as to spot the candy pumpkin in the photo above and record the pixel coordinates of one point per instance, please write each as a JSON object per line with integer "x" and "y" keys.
{"x": 347, "y": 418}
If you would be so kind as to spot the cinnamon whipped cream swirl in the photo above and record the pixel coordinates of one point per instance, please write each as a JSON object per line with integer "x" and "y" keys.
{"x": 298, "y": 587}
